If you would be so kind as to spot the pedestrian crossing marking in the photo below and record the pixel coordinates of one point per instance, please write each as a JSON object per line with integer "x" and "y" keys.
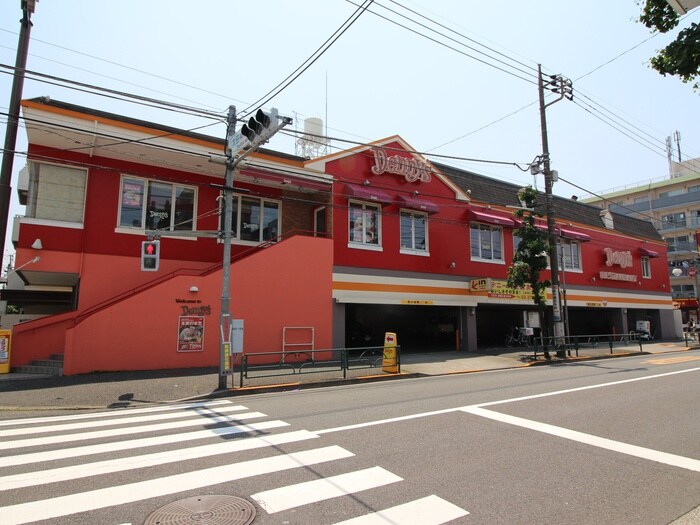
{"x": 129, "y": 493}
{"x": 147, "y": 460}
{"x": 133, "y": 444}
{"x": 216, "y": 421}
{"x": 112, "y": 432}
{"x": 118, "y": 421}
{"x": 125, "y": 412}
{"x": 431, "y": 510}
{"x": 284, "y": 498}
{"x": 672, "y": 360}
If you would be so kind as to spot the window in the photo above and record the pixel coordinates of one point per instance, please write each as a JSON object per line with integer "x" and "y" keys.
{"x": 151, "y": 205}
{"x": 571, "y": 254}
{"x": 671, "y": 193}
{"x": 364, "y": 224}
{"x": 56, "y": 193}
{"x": 486, "y": 242}
{"x": 320, "y": 218}
{"x": 414, "y": 232}
{"x": 254, "y": 220}
{"x": 646, "y": 267}
{"x": 673, "y": 220}
{"x": 680, "y": 243}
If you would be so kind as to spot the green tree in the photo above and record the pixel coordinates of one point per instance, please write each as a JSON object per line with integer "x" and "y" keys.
{"x": 682, "y": 56}
{"x": 530, "y": 257}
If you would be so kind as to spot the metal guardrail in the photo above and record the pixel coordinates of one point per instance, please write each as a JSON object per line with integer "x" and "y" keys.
{"x": 334, "y": 360}
{"x": 579, "y": 343}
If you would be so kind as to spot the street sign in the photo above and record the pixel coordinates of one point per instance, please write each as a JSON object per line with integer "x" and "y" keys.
{"x": 237, "y": 142}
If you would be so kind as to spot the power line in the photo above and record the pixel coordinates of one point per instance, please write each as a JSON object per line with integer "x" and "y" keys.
{"x": 309, "y": 61}
{"x": 485, "y": 62}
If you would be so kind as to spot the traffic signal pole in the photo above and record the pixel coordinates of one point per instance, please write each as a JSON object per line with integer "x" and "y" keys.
{"x": 225, "y": 319}
{"x": 253, "y": 134}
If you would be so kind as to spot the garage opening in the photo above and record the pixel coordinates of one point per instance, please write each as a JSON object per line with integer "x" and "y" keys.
{"x": 418, "y": 328}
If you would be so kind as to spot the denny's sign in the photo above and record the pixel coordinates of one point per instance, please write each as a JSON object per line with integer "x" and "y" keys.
{"x": 410, "y": 168}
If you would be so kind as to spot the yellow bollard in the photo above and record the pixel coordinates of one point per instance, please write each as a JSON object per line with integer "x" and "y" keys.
{"x": 389, "y": 361}
{"x": 5, "y": 351}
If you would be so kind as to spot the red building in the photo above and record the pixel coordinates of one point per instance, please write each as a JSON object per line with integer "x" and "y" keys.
{"x": 329, "y": 252}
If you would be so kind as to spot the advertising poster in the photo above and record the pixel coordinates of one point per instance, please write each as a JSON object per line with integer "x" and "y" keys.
{"x": 190, "y": 334}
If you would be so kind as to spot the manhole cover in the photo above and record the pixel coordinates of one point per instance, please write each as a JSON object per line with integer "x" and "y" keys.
{"x": 204, "y": 510}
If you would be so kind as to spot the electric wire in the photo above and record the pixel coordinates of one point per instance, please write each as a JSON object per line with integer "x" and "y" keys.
{"x": 443, "y": 44}
{"x": 309, "y": 61}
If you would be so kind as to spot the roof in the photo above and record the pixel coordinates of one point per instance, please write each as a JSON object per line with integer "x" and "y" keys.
{"x": 493, "y": 191}
{"x": 153, "y": 125}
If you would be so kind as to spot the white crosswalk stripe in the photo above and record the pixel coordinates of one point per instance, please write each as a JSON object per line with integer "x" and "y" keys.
{"x": 426, "y": 511}
{"x": 48, "y": 465}
{"x": 320, "y": 489}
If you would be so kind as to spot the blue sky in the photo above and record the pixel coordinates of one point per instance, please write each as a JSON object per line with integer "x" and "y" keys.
{"x": 379, "y": 79}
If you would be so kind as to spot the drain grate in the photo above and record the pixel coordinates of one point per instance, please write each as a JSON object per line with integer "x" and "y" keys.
{"x": 204, "y": 510}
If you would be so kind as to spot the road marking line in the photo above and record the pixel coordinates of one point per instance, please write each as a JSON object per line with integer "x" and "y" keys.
{"x": 129, "y": 493}
{"x": 114, "y": 432}
{"x": 292, "y": 496}
{"x": 124, "y": 412}
{"x": 133, "y": 444}
{"x": 491, "y": 403}
{"x": 583, "y": 388}
{"x": 431, "y": 510}
{"x": 671, "y": 360}
{"x": 119, "y": 421}
{"x": 588, "y": 439}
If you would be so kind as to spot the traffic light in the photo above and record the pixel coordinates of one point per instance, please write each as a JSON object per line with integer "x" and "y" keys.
{"x": 150, "y": 256}
{"x": 260, "y": 127}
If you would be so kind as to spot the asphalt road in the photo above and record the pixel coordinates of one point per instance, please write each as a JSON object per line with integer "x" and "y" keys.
{"x": 610, "y": 441}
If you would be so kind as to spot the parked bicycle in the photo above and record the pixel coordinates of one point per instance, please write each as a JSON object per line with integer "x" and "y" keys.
{"x": 517, "y": 337}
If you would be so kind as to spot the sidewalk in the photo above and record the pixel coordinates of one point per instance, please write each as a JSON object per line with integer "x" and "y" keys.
{"x": 129, "y": 389}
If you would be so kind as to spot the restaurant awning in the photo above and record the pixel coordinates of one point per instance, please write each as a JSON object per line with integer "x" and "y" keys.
{"x": 648, "y": 253}
{"x": 572, "y": 234}
{"x": 491, "y": 217}
{"x": 368, "y": 194}
{"x": 415, "y": 203}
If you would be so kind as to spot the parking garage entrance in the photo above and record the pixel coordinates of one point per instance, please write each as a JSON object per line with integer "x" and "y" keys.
{"x": 419, "y": 328}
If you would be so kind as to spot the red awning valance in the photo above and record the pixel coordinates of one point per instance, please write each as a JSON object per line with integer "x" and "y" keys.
{"x": 415, "y": 203}
{"x": 491, "y": 218}
{"x": 571, "y": 234}
{"x": 366, "y": 193}
{"x": 648, "y": 253}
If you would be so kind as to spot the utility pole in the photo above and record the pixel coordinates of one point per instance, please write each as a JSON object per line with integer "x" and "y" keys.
{"x": 252, "y": 135}
{"x": 8, "y": 154}
{"x": 562, "y": 86}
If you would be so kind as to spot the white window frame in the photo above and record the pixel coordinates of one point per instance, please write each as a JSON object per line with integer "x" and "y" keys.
{"x": 363, "y": 244}
{"x": 646, "y": 266}
{"x": 413, "y": 215}
{"x": 144, "y": 205}
{"x": 492, "y": 228}
{"x": 236, "y": 224}
{"x": 579, "y": 259}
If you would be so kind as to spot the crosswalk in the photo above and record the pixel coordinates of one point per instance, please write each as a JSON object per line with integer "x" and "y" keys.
{"x": 65, "y": 469}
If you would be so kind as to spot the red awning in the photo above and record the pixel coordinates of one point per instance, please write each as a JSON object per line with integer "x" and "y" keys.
{"x": 491, "y": 218}
{"x": 571, "y": 234}
{"x": 648, "y": 253}
{"x": 414, "y": 203}
{"x": 368, "y": 194}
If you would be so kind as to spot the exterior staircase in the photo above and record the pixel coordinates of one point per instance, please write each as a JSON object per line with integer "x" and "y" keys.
{"x": 45, "y": 367}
